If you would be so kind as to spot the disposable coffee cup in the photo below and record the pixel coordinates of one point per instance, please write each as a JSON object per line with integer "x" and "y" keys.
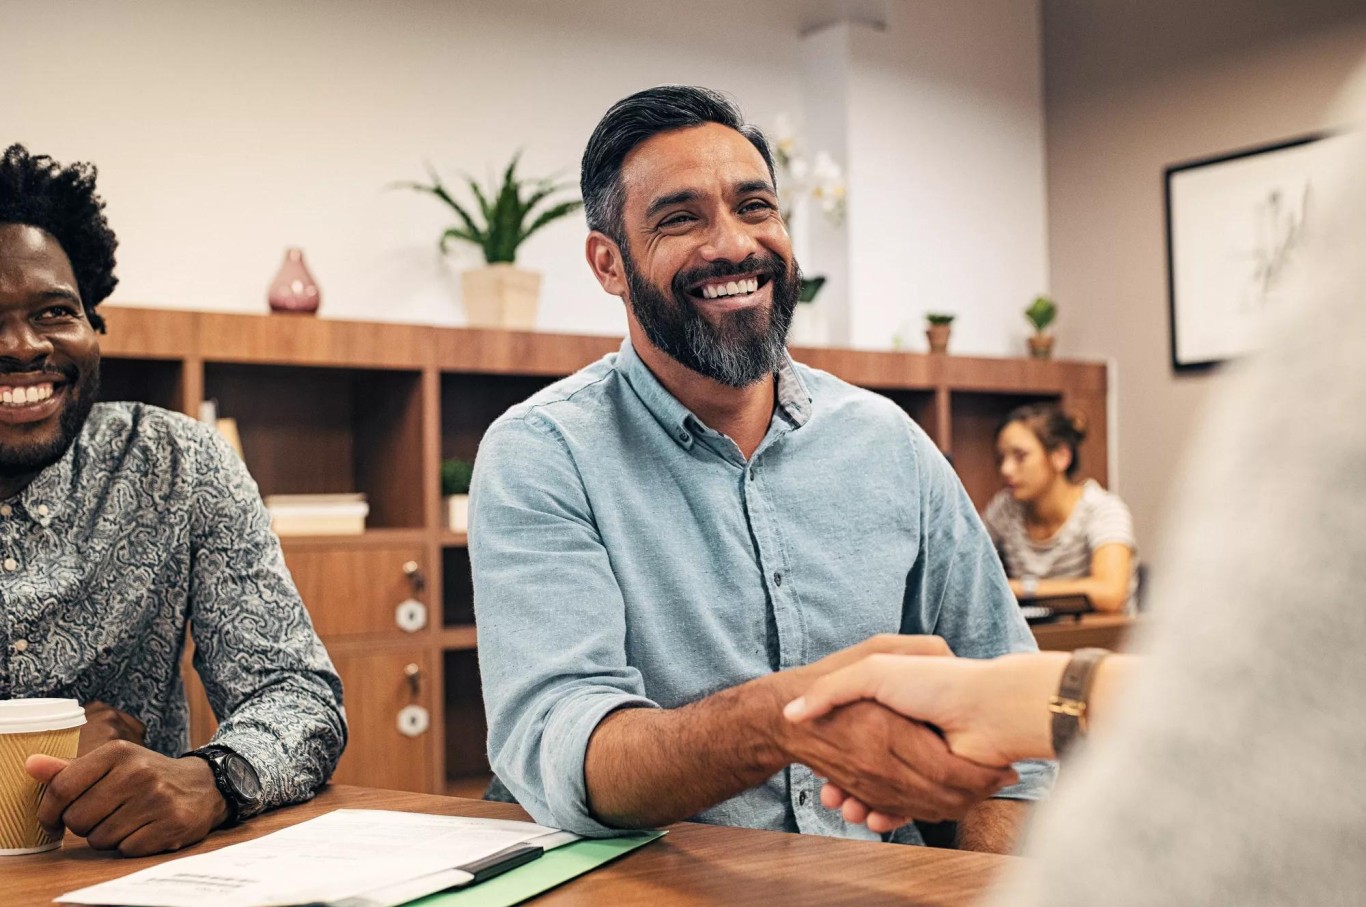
{"x": 27, "y": 727}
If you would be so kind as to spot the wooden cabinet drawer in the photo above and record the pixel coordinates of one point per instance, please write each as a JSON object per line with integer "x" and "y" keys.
{"x": 357, "y": 591}
{"x": 388, "y": 747}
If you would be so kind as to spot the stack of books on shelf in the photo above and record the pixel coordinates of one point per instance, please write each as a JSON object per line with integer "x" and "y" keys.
{"x": 317, "y": 514}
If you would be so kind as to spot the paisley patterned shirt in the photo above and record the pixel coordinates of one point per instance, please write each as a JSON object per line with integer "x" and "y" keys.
{"x": 150, "y": 525}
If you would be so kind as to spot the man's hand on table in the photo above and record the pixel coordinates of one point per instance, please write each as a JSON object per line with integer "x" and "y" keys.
{"x": 900, "y": 768}
{"x": 124, "y": 797}
{"x": 104, "y": 724}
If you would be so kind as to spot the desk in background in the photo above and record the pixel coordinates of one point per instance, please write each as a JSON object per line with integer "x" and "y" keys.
{"x": 1108, "y": 631}
{"x": 693, "y": 864}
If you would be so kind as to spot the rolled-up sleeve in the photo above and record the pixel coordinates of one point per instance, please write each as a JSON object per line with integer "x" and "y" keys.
{"x": 958, "y": 589}
{"x": 266, "y": 673}
{"x": 550, "y": 617}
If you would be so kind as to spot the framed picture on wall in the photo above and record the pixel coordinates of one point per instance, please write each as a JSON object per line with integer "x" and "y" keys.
{"x": 1236, "y": 228}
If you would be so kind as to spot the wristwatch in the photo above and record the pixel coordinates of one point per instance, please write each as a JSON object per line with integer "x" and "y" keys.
{"x": 236, "y": 780}
{"x": 1072, "y": 701}
{"x": 1029, "y": 585}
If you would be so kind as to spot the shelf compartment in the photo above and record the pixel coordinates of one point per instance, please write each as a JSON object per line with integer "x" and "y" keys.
{"x": 457, "y": 593}
{"x": 470, "y": 403}
{"x": 160, "y": 382}
{"x": 466, "y": 725}
{"x": 308, "y": 430}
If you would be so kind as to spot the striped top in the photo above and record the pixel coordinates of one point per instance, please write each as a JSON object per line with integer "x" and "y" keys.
{"x": 1100, "y": 518}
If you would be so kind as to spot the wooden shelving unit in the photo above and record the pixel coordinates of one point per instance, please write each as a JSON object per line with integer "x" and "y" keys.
{"x": 337, "y": 406}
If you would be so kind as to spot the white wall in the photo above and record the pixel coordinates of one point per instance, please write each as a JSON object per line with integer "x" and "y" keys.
{"x": 227, "y": 132}
{"x": 1132, "y": 88}
{"x": 946, "y": 156}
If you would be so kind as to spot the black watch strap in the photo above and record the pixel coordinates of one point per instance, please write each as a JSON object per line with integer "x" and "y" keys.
{"x": 235, "y": 779}
{"x": 1069, "y": 706}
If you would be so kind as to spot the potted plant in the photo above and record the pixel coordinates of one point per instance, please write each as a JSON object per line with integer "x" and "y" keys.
{"x": 500, "y": 294}
{"x": 1041, "y": 313}
{"x": 455, "y": 491}
{"x": 937, "y": 333}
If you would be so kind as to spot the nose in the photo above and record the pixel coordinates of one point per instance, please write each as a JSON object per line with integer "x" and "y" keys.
{"x": 730, "y": 239}
{"x": 20, "y": 343}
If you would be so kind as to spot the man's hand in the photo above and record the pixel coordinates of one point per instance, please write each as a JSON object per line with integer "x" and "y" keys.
{"x": 104, "y": 724}
{"x": 895, "y": 766}
{"x": 899, "y": 768}
{"x": 130, "y": 799}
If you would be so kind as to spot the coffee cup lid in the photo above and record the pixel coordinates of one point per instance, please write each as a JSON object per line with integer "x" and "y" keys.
{"x": 27, "y": 716}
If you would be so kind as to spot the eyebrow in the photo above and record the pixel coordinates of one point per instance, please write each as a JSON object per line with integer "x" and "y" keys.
{"x": 691, "y": 195}
{"x": 57, "y": 294}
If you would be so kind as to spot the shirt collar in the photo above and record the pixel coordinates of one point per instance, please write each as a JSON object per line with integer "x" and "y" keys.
{"x": 42, "y": 500}
{"x": 794, "y": 400}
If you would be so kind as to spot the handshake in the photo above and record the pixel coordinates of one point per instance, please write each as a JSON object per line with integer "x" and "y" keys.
{"x": 903, "y": 730}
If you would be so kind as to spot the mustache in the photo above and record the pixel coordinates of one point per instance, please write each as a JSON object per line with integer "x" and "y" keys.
{"x": 64, "y": 372}
{"x": 770, "y": 266}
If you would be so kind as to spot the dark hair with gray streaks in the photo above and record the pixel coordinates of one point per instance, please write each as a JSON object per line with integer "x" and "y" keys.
{"x": 635, "y": 119}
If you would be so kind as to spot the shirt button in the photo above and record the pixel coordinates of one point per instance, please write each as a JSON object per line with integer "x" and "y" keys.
{"x": 11, "y": 564}
{"x": 801, "y": 799}
{"x": 20, "y": 645}
{"x": 42, "y": 510}
{"x": 753, "y": 470}
{"x": 6, "y": 510}
{"x": 777, "y": 578}
{"x": 684, "y": 437}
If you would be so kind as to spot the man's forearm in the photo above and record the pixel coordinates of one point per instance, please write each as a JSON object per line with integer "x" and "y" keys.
{"x": 650, "y": 767}
{"x": 993, "y": 826}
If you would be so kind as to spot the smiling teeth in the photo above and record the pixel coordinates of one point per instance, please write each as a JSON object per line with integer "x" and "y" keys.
{"x": 734, "y": 288}
{"x": 23, "y": 396}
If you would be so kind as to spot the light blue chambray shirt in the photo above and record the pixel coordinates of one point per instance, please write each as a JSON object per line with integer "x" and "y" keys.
{"x": 625, "y": 554}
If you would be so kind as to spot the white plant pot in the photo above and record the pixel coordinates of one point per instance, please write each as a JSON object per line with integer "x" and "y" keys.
{"x": 501, "y": 296}
{"x": 457, "y": 512}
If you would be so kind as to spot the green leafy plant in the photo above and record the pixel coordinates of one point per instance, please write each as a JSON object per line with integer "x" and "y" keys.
{"x": 939, "y": 318}
{"x": 455, "y": 476}
{"x": 1041, "y": 313}
{"x": 504, "y": 211}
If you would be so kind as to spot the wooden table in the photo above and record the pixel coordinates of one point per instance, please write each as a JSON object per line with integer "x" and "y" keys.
{"x": 1108, "y": 631}
{"x": 692, "y": 864}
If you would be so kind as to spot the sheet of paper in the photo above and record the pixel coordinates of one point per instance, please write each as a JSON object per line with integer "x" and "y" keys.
{"x": 337, "y": 855}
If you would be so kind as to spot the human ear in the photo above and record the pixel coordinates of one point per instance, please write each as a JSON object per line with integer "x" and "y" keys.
{"x": 1061, "y": 459}
{"x": 604, "y": 257}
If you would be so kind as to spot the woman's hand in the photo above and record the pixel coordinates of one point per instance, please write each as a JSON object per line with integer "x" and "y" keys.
{"x": 991, "y": 712}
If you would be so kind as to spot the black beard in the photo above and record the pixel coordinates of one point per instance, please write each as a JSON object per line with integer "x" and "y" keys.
{"x": 742, "y": 347}
{"x": 18, "y": 461}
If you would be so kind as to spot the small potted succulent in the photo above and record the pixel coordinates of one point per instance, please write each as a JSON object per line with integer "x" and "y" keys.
{"x": 455, "y": 491}
{"x": 501, "y": 294}
{"x": 939, "y": 325}
{"x": 1041, "y": 313}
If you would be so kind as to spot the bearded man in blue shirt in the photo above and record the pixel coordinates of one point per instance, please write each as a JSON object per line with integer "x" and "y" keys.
{"x": 671, "y": 544}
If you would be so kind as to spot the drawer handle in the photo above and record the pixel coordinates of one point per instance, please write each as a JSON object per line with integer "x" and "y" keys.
{"x": 414, "y": 675}
{"x": 416, "y": 577}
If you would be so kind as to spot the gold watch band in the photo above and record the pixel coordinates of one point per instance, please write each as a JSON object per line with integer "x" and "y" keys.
{"x": 1069, "y": 706}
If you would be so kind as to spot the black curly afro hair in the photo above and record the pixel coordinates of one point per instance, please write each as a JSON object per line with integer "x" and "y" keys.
{"x": 37, "y": 191}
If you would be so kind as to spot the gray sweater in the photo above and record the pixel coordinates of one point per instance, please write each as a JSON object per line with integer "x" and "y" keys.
{"x": 1232, "y": 772}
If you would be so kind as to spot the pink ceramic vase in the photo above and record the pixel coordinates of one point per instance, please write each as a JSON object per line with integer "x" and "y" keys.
{"x": 293, "y": 289}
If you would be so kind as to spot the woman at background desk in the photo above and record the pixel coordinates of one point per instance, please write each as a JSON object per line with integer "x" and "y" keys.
{"x": 1058, "y": 536}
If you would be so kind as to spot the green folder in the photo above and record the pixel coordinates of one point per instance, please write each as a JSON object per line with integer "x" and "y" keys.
{"x": 555, "y": 867}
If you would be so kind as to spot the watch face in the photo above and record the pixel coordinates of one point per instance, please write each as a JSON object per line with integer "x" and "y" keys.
{"x": 243, "y": 777}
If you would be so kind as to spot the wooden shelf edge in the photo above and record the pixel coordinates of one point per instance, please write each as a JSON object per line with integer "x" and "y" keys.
{"x": 459, "y": 638}
{"x": 470, "y": 787}
{"x": 366, "y": 539}
{"x": 452, "y": 539}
